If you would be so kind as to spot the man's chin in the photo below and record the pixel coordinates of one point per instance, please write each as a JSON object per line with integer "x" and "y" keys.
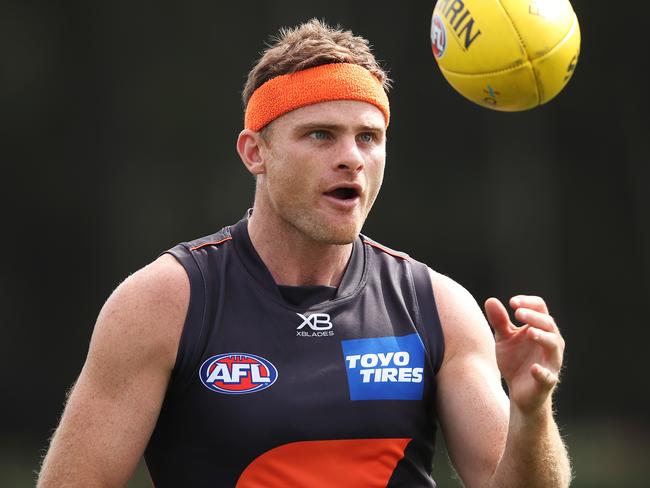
{"x": 327, "y": 230}
{"x": 335, "y": 235}
{"x": 342, "y": 241}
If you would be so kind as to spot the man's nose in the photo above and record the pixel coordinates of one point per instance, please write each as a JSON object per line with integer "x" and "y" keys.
{"x": 349, "y": 156}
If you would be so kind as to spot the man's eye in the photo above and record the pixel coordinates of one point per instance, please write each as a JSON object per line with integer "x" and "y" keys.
{"x": 366, "y": 137}
{"x": 319, "y": 135}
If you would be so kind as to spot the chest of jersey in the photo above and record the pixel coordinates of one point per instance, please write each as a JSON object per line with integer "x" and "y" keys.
{"x": 313, "y": 373}
{"x": 261, "y": 384}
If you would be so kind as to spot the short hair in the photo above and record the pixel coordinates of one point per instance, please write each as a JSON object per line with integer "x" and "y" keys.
{"x": 308, "y": 45}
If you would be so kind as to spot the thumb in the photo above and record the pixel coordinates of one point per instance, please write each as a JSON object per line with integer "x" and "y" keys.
{"x": 498, "y": 318}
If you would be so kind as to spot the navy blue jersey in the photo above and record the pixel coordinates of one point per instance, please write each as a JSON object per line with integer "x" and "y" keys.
{"x": 271, "y": 392}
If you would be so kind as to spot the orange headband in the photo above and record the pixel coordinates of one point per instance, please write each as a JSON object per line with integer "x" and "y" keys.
{"x": 338, "y": 81}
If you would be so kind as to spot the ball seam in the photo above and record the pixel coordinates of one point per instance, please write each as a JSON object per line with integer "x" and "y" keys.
{"x": 488, "y": 73}
{"x": 523, "y": 46}
{"x": 519, "y": 65}
{"x": 574, "y": 25}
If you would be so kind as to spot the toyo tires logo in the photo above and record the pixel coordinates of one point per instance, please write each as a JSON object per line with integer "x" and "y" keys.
{"x": 237, "y": 373}
{"x": 385, "y": 368}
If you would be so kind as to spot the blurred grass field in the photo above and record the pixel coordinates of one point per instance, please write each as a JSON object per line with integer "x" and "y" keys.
{"x": 605, "y": 453}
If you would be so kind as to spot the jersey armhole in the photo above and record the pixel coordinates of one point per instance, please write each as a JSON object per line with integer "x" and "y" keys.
{"x": 194, "y": 320}
{"x": 429, "y": 325}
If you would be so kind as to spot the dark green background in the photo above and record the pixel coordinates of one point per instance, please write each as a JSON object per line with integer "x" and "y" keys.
{"x": 119, "y": 122}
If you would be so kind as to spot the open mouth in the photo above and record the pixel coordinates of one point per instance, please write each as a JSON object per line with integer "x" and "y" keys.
{"x": 343, "y": 193}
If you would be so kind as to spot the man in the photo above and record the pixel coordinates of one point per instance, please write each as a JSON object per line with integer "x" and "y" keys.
{"x": 289, "y": 350}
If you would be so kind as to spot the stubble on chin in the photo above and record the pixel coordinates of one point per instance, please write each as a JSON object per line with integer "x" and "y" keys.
{"x": 329, "y": 233}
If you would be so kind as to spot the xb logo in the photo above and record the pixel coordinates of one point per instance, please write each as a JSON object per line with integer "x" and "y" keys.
{"x": 319, "y": 324}
{"x": 316, "y": 321}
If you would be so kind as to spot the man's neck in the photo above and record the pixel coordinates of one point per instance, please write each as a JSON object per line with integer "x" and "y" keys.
{"x": 292, "y": 258}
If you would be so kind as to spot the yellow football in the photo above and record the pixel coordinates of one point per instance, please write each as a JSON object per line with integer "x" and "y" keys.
{"x": 508, "y": 55}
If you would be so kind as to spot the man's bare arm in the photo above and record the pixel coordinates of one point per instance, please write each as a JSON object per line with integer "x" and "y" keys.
{"x": 530, "y": 358}
{"x": 492, "y": 441}
{"x": 115, "y": 402}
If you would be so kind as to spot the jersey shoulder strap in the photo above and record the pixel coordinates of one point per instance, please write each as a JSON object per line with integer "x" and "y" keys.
{"x": 199, "y": 258}
{"x": 429, "y": 326}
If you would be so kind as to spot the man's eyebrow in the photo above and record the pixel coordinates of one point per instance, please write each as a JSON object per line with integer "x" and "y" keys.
{"x": 318, "y": 125}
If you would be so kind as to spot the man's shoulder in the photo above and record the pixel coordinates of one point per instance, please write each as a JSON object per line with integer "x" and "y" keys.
{"x": 219, "y": 237}
{"x": 141, "y": 322}
{"x": 196, "y": 256}
{"x": 462, "y": 320}
{"x": 454, "y": 300}
{"x": 447, "y": 286}
{"x": 159, "y": 286}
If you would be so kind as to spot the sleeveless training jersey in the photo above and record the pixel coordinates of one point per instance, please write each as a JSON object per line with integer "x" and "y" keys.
{"x": 268, "y": 394}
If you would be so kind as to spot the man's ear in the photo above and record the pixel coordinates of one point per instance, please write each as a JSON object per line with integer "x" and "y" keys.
{"x": 251, "y": 151}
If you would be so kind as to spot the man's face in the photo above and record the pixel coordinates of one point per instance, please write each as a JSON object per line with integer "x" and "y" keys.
{"x": 324, "y": 167}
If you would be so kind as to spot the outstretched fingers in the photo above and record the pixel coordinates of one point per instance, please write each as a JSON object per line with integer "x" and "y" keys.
{"x": 529, "y": 356}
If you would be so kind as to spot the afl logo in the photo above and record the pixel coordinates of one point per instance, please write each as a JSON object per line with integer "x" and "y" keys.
{"x": 438, "y": 36}
{"x": 236, "y": 373}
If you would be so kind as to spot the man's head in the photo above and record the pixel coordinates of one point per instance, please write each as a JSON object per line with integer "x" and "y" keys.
{"x": 311, "y": 44}
{"x": 316, "y": 118}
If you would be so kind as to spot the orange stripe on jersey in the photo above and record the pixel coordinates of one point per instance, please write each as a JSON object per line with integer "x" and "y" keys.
{"x": 351, "y": 463}
{"x": 396, "y": 254}
{"x": 213, "y": 243}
